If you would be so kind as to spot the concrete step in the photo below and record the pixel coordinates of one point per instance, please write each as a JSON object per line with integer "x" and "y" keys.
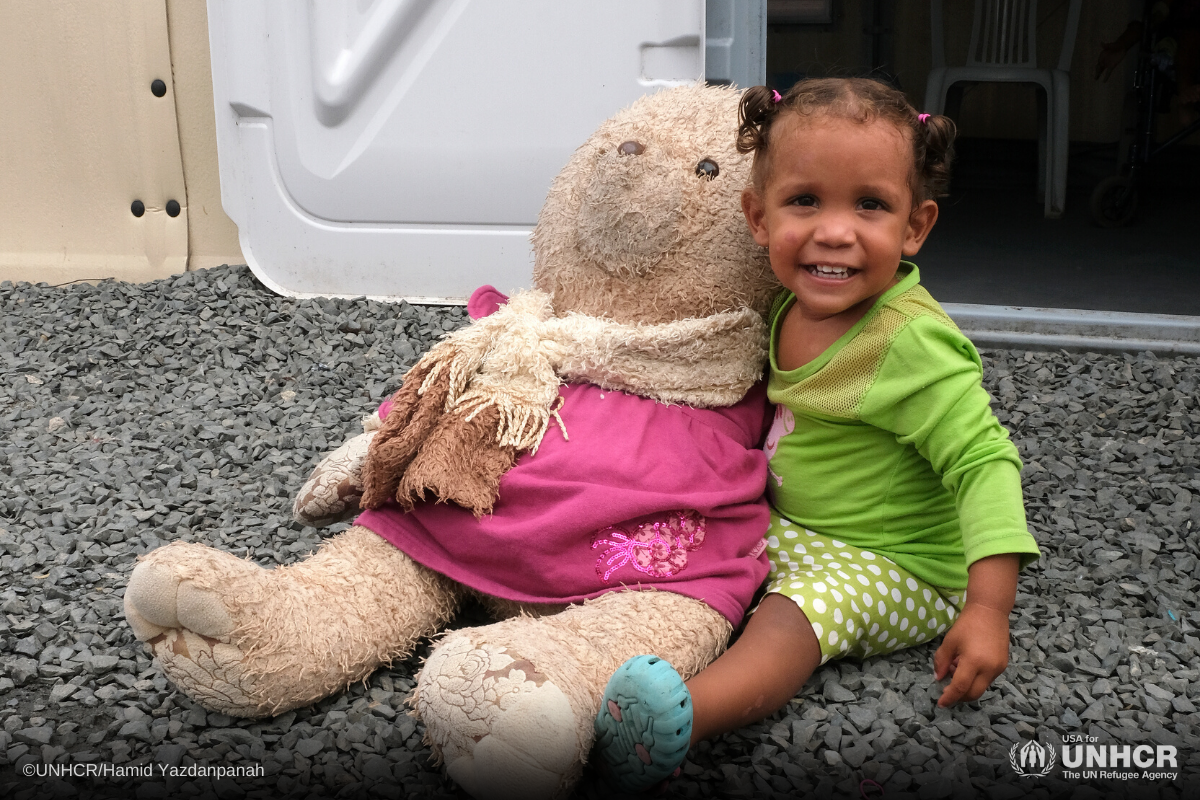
{"x": 1025, "y": 328}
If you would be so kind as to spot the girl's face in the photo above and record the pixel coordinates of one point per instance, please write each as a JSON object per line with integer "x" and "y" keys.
{"x": 836, "y": 211}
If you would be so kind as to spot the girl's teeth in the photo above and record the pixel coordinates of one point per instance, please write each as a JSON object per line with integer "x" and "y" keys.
{"x": 832, "y": 272}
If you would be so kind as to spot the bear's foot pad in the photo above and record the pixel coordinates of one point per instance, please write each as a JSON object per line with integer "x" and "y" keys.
{"x": 503, "y": 730}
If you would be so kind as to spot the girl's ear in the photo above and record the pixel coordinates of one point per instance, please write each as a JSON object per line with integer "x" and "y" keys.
{"x": 756, "y": 215}
{"x": 920, "y": 223}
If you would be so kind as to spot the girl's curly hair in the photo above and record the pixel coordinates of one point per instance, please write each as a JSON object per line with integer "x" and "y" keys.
{"x": 860, "y": 100}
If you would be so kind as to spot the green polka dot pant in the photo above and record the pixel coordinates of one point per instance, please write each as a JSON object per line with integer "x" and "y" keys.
{"x": 860, "y": 603}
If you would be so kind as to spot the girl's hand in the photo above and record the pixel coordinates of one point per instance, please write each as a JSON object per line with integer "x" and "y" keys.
{"x": 975, "y": 649}
{"x": 975, "y": 652}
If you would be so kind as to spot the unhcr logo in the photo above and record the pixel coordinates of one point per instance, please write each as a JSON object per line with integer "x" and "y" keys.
{"x": 1119, "y": 762}
{"x": 1031, "y": 760}
{"x": 1083, "y": 758}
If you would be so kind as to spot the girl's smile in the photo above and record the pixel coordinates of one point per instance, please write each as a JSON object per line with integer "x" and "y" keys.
{"x": 836, "y": 212}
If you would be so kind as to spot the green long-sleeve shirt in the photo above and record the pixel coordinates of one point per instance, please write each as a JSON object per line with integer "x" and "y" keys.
{"x": 894, "y": 447}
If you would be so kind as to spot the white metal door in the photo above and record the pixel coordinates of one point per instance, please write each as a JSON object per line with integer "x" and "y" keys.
{"x": 402, "y": 148}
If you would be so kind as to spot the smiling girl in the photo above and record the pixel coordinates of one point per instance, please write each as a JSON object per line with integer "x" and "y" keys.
{"x": 896, "y": 495}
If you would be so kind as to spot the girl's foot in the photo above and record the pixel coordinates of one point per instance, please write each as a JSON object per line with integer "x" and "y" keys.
{"x": 645, "y": 723}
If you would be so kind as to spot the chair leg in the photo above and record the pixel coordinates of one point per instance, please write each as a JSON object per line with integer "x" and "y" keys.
{"x": 1044, "y": 140}
{"x": 1061, "y": 120}
{"x": 935, "y": 93}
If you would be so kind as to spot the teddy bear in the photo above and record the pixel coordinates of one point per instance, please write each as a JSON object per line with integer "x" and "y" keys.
{"x": 582, "y": 459}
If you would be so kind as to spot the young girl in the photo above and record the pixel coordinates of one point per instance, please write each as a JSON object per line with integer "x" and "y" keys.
{"x": 893, "y": 486}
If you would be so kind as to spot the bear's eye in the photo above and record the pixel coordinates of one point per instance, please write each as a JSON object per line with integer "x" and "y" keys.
{"x": 631, "y": 148}
{"x": 708, "y": 169}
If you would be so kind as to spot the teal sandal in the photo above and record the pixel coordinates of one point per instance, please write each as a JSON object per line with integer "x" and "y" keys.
{"x": 645, "y": 723}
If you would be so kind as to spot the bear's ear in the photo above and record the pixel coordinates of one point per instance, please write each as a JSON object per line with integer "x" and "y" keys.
{"x": 485, "y": 301}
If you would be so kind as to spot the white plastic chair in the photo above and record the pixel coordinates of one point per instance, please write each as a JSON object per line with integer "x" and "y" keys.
{"x": 1004, "y": 50}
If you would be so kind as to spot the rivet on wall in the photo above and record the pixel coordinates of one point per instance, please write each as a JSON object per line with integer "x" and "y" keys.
{"x": 137, "y": 208}
{"x": 172, "y": 208}
{"x": 158, "y": 87}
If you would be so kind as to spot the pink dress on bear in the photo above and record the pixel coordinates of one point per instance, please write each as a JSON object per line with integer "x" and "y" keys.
{"x": 643, "y": 495}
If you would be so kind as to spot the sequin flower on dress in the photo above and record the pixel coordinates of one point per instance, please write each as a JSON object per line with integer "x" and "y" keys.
{"x": 658, "y": 549}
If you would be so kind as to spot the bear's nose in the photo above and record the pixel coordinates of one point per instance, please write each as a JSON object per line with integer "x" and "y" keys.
{"x": 631, "y": 148}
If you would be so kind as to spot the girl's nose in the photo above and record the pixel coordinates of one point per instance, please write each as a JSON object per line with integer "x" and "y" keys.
{"x": 834, "y": 230}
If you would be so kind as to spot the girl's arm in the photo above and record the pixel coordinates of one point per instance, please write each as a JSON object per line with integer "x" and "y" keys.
{"x": 975, "y": 649}
{"x": 929, "y": 393}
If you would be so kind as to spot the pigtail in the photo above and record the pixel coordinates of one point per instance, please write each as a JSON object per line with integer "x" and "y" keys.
{"x": 937, "y": 135}
{"x": 755, "y": 112}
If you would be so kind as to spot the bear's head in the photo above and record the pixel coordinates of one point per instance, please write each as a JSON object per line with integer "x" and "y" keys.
{"x": 644, "y": 224}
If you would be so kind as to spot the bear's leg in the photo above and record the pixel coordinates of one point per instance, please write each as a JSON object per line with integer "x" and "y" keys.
{"x": 252, "y": 642}
{"x": 509, "y": 707}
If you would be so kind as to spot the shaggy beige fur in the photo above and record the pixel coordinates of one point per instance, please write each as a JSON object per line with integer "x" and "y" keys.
{"x": 253, "y": 642}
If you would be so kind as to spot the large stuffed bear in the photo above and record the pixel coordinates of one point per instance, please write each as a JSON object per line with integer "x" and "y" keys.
{"x": 582, "y": 458}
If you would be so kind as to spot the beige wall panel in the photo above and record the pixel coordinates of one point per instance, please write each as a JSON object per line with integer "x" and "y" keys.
{"x": 212, "y": 235}
{"x": 82, "y": 136}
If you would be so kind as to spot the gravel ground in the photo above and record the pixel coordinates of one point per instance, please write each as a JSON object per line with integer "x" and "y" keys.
{"x": 194, "y": 407}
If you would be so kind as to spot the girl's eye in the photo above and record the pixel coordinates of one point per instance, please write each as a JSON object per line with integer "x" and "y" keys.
{"x": 871, "y": 204}
{"x": 804, "y": 200}
{"x": 708, "y": 169}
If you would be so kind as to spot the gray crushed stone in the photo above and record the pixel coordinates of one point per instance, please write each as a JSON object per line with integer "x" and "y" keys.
{"x": 194, "y": 407}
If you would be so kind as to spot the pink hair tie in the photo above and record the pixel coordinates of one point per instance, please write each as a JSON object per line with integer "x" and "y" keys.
{"x": 776, "y": 97}
{"x": 923, "y": 119}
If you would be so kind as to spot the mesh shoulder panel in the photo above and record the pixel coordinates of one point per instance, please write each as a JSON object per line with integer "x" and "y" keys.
{"x": 917, "y": 302}
{"x": 837, "y": 389}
